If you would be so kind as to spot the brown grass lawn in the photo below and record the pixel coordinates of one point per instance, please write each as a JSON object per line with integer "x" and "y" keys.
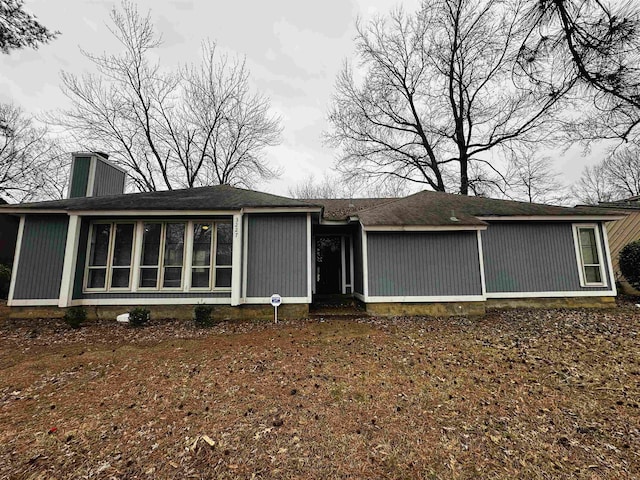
{"x": 515, "y": 394}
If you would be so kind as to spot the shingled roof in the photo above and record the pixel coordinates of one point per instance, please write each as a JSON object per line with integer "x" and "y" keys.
{"x": 219, "y": 197}
{"x": 343, "y": 208}
{"x": 438, "y": 208}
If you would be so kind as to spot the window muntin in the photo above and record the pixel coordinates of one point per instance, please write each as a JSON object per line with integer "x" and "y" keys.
{"x": 110, "y": 254}
{"x": 224, "y": 254}
{"x": 589, "y": 253}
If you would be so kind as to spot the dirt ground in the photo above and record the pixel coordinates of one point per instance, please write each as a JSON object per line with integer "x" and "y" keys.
{"x": 514, "y": 394}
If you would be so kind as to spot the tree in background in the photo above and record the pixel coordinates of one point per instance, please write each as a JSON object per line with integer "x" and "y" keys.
{"x": 596, "y": 43}
{"x": 19, "y": 29}
{"x": 615, "y": 178}
{"x": 199, "y": 125}
{"x": 32, "y": 164}
{"x": 441, "y": 96}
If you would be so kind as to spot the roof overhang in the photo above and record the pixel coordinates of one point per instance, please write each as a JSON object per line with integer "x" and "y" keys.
{"x": 553, "y": 218}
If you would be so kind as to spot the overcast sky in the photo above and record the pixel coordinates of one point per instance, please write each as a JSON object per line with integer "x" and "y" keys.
{"x": 294, "y": 49}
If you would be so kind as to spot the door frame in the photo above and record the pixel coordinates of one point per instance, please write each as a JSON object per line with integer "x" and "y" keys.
{"x": 345, "y": 239}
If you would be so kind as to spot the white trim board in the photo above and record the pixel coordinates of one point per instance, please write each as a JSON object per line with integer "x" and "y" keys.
{"x": 152, "y": 301}
{"x": 582, "y": 293}
{"x": 553, "y": 218}
{"x": 39, "y": 302}
{"x": 16, "y": 262}
{"x": 425, "y": 299}
{"x": 612, "y": 280}
{"x": 423, "y": 228}
{"x": 267, "y": 300}
{"x": 70, "y": 261}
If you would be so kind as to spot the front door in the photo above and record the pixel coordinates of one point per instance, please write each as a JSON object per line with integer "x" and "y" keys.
{"x": 328, "y": 265}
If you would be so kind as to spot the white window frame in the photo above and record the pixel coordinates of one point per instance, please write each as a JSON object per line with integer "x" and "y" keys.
{"x": 109, "y": 266}
{"x": 580, "y": 261}
{"x": 213, "y": 266}
{"x": 136, "y": 267}
{"x": 160, "y": 266}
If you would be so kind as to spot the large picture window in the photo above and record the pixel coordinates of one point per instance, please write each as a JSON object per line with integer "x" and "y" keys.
{"x": 110, "y": 254}
{"x": 178, "y": 255}
{"x": 589, "y": 253}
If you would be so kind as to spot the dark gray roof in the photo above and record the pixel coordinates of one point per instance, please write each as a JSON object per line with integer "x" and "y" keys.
{"x": 219, "y": 197}
{"x": 632, "y": 203}
{"x": 437, "y": 208}
{"x": 343, "y": 208}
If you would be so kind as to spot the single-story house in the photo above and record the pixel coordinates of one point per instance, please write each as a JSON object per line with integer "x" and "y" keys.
{"x": 426, "y": 253}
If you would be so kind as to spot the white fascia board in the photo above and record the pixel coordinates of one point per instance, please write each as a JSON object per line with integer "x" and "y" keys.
{"x": 333, "y": 222}
{"x": 423, "y": 228}
{"x": 27, "y": 211}
{"x": 582, "y": 293}
{"x": 283, "y": 210}
{"x": 555, "y": 218}
{"x": 426, "y": 299}
{"x": 267, "y": 300}
{"x": 152, "y": 301}
{"x": 153, "y": 213}
{"x": 39, "y": 302}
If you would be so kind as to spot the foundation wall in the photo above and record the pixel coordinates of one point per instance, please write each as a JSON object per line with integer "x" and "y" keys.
{"x": 568, "y": 302}
{"x": 180, "y": 312}
{"x": 428, "y": 309}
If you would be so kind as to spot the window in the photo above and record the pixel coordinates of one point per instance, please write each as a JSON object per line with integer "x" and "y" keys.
{"x": 162, "y": 257}
{"x": 211, "y": 240}
{"x": 110, "y": 253}
{"x": 589, "y": 255}
{"x": 164, "y": 251}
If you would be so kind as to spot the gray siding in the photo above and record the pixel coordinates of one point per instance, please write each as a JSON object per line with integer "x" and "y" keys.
{"x": 423, "y": 264}
{"x": 277, "y": 255}
{"x": 532, "y": 257}
{"x": 79, "y": 177}
{"x": 357, "y": 261}
{"x": 108, "y": 180}
{"x": 41, "y": 257}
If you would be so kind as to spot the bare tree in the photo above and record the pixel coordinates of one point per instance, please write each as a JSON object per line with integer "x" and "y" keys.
{"x": 19, "y": 29}
{"x": 32, "y": 165}
{"x": 198, "y": 125}
{"x": 534, "y": 180}
{"x": 441, "y": 96}
{"x": 326, "y": 187}
{"x": 597, "y": 43}
{"x": 614, "y": 178}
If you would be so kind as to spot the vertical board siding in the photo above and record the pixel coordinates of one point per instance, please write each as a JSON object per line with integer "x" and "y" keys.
{"x": 423, "y": 264}
{"x": 533, "y": 257}
{"x": 357, "y": 261}
{"x": 41, "y": 257}
{"x": 80, "y": 177}
{"x": 277, "y": 255}
{"x": 622, "y": 232}
{"x": 108, "y": 180}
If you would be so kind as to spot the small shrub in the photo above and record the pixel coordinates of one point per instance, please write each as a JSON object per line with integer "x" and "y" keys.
{"x": 75, "y": 317}
{"x": 202, "y": 316}
{"x": 139, "y": 316}
{"x": 629, "y": 260}
{"x": 5, "y": 280}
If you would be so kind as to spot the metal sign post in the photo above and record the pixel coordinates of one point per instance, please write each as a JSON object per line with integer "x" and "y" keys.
{"x": 276, "y": 300}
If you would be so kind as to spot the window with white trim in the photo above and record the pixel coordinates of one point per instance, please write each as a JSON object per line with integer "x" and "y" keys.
{"x": 162, "y": 260}
{"x": 211, "y": 241}
{"x": 110, "y": 254}
{"x": 589, "y": 255}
